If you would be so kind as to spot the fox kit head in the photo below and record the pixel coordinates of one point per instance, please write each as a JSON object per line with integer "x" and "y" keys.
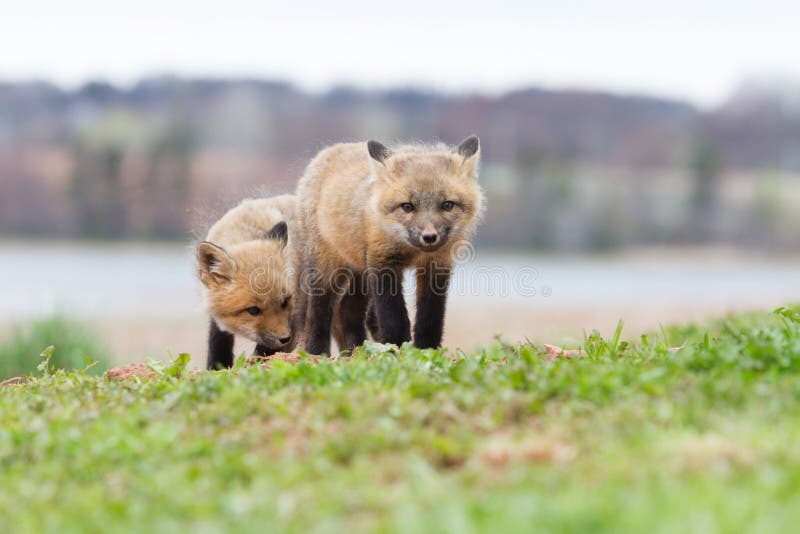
{"x": 427, "y": 196}
{"x": 248, "y": 287}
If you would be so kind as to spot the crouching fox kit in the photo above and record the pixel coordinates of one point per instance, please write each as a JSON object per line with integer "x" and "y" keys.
{"x": 366, "y": 213}
{"x": 247, "y": 267}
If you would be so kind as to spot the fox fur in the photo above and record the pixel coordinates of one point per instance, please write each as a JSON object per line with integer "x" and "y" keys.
{"x": 366, "y": 213}
{"x": 248, "y": 268}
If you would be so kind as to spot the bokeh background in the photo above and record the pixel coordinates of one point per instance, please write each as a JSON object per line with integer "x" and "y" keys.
{"x": 643, "y": 162}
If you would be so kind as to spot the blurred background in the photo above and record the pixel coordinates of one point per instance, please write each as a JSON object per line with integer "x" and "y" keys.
{"x": 641, "y": 162}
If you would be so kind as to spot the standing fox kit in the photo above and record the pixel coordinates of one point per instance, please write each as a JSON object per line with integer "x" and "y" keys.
{"x": 246, "y": 266}
{"x": 366, "y": 213}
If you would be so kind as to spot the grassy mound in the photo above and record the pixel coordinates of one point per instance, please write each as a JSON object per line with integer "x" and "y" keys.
{"x": 631, "y": 437}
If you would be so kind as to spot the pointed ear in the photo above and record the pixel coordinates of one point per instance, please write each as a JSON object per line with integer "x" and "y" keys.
{"x": 214, "y": 264}
{"x": 378, "y": 151}
{"x": 470, "y": 150}
{"x": 469, "y": 146}
{"x": 280, "y": 232}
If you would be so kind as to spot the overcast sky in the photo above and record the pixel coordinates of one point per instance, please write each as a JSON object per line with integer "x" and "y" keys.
{"x": 699, "y": 50}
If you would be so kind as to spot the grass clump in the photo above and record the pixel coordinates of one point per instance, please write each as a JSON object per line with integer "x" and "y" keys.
{"x": 632, "y": 437}
{"x": 74, "y": 347}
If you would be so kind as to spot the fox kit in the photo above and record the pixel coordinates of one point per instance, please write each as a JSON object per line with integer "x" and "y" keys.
{"x": 247, "y": 268}
{"x": 366, "y": 213}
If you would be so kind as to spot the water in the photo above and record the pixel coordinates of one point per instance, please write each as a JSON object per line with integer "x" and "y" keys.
{"x": 96, "y": 280}
{"x": 155, "y": 281}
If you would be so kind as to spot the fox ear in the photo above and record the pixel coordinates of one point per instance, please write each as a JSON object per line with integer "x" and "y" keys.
{"x": 469, "y": 146}
{"x": 470, "y": 149}
{"x": 378, "y": 151}
{"x": 280, "y": 232}
{"x": 214, "y": 264}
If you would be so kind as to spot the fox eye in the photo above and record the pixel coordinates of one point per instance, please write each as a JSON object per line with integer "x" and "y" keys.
{"x": 285, "y": 301}
{"x": 408, "y": 207}
{"x": 448, "y": 205}
{"x": 254, "y": 311}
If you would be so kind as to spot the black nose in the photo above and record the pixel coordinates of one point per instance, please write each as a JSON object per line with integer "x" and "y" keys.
{"x": 285, "y": 340}
{"x": 430, "y": 238}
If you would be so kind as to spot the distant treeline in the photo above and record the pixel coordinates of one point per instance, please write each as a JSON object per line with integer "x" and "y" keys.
{"x": 563, "y": 169}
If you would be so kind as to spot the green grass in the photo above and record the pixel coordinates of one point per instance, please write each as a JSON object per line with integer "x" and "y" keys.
{"x": 634, "y": 437}
{"x": 74, "y": 343}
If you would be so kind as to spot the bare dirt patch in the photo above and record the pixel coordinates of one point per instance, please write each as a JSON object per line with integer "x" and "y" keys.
{"x": 554, "y": 352}
{"x": 132, "y": 370}
{"x": 288, "y": 357}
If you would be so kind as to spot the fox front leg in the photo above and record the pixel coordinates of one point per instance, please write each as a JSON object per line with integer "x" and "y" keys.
{"x": 220, "y": 347}
{"x": 353, "y": 312}
{"x": 433, "y": 282}
{"x": 320, "y": 315}
{"x": 390, "y": 305}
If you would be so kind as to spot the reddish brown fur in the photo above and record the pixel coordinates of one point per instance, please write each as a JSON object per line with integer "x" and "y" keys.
{"x": 240, "y": 267}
